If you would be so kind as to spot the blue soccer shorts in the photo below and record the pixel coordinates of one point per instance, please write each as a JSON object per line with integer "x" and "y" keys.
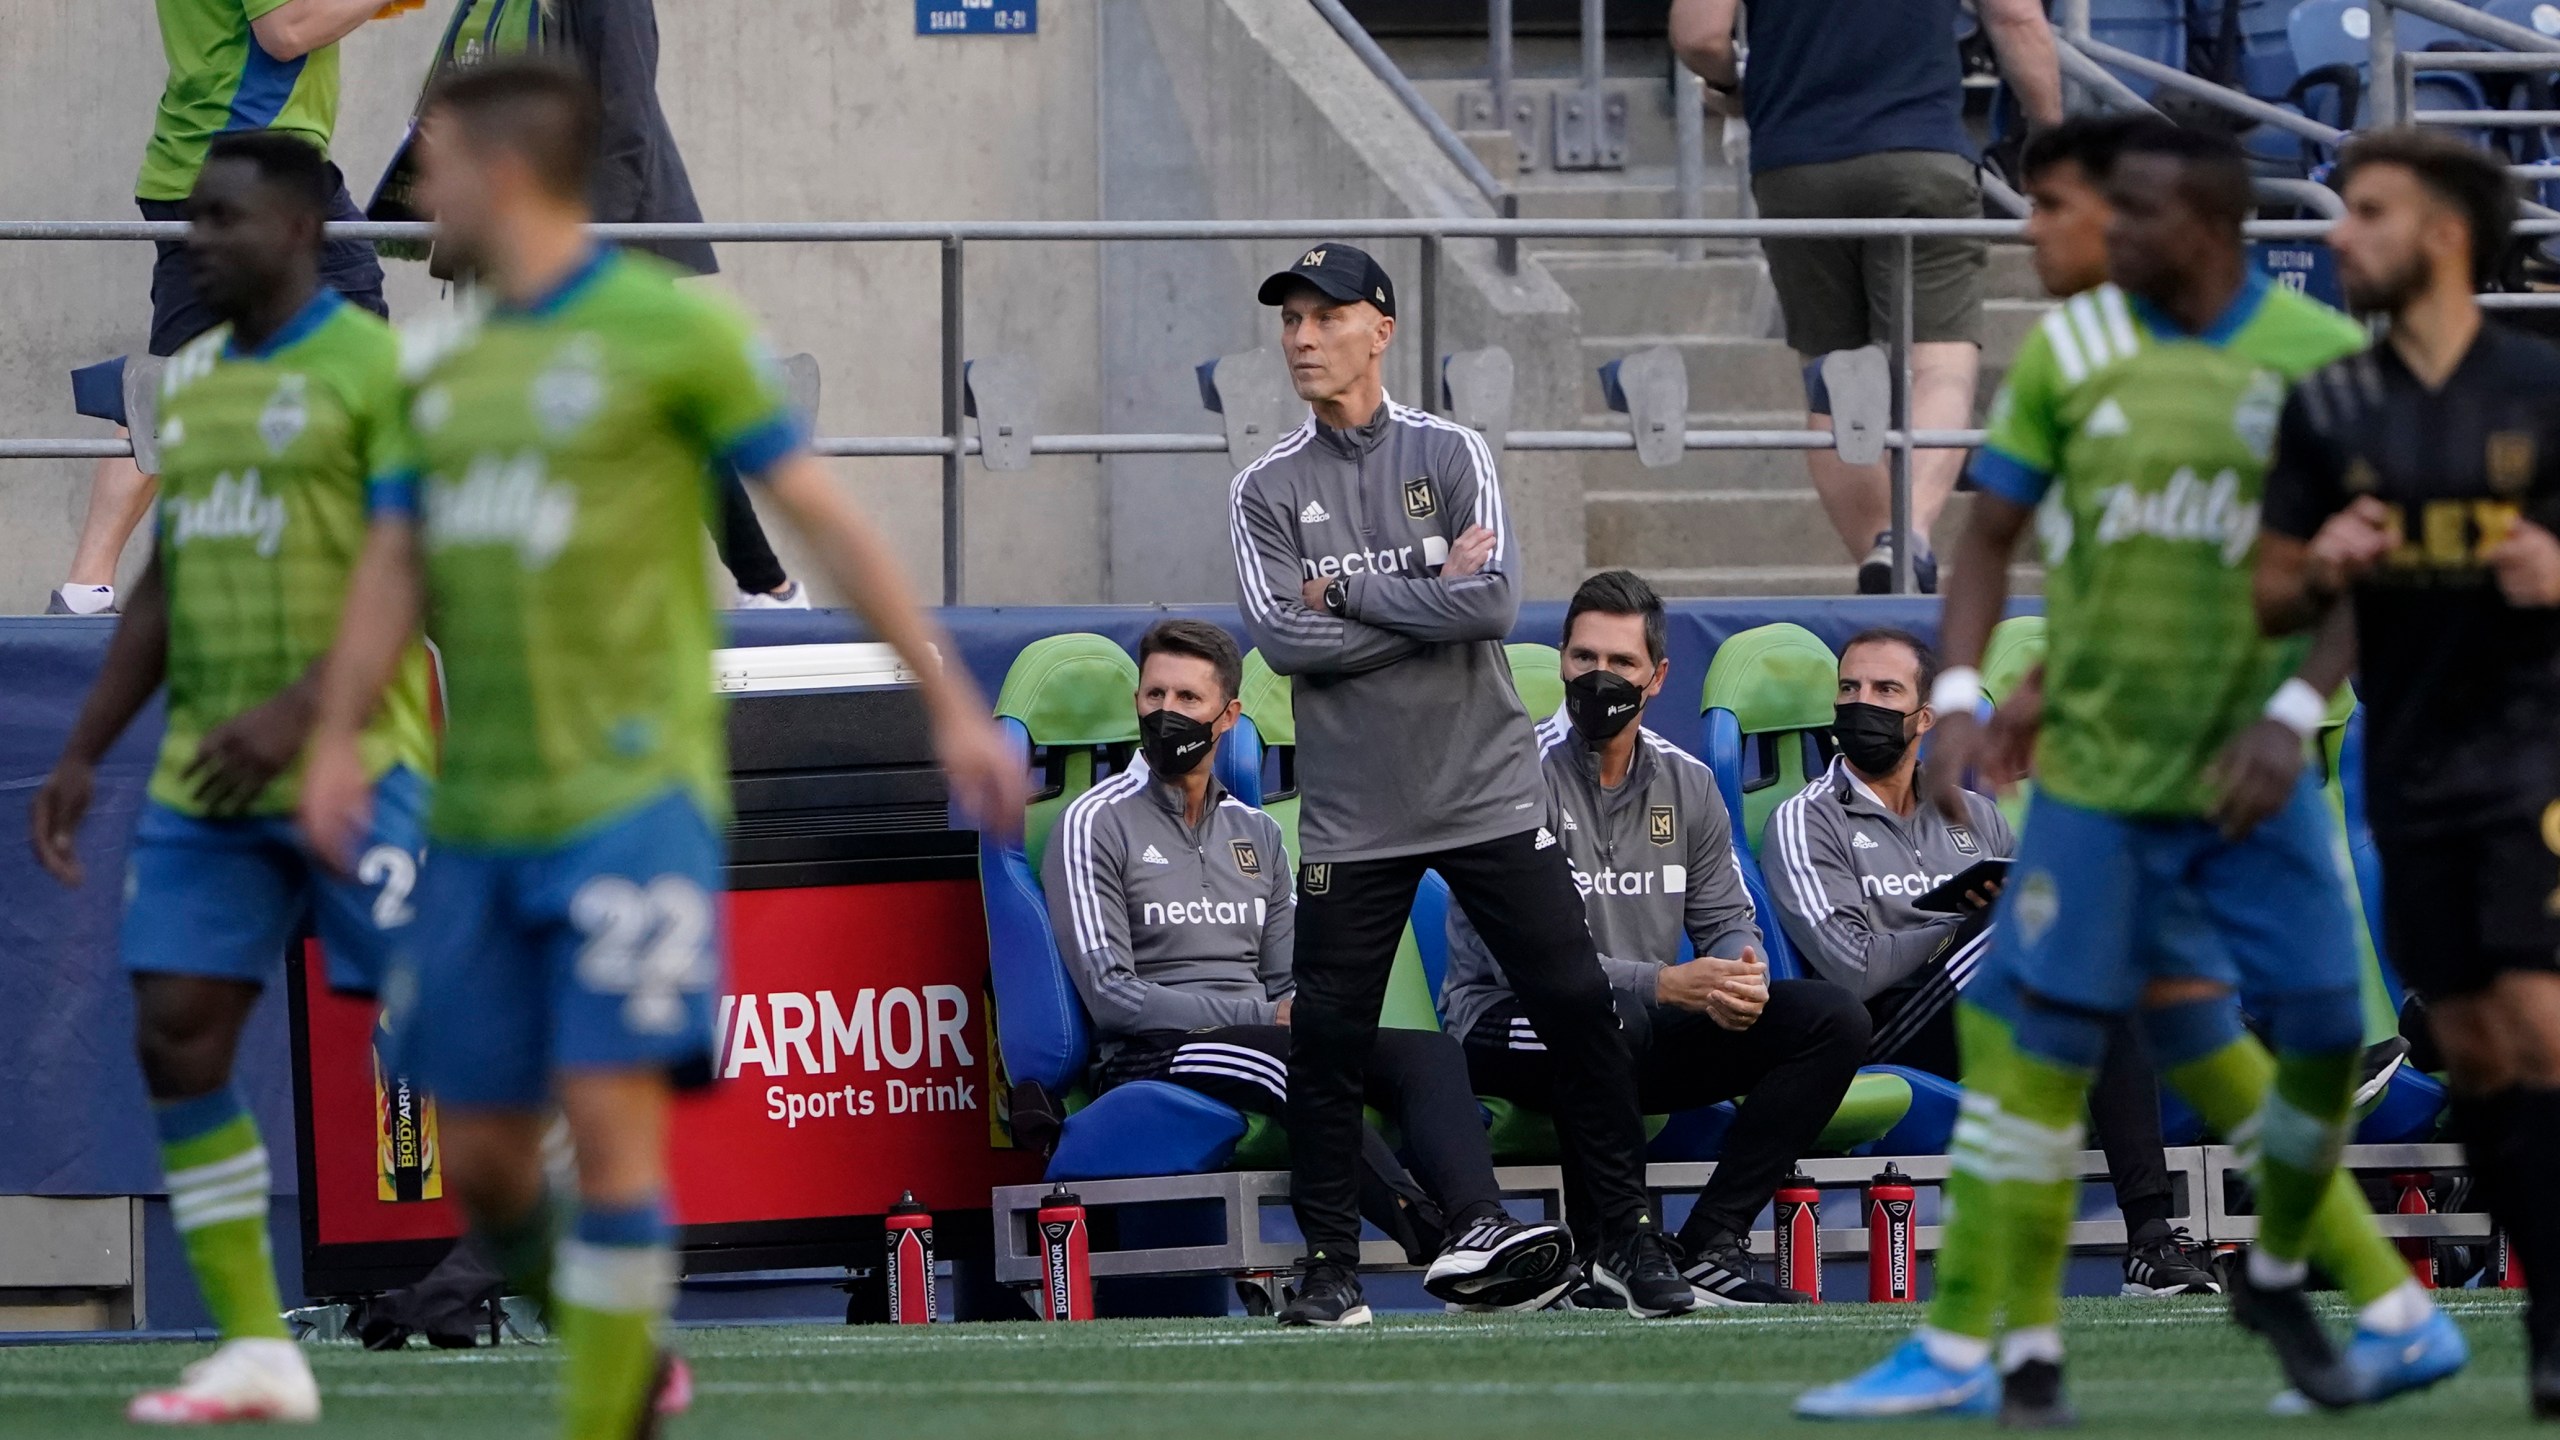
{"x": 601, "y": 952}
{"x": 223, "y": 898}
{"x": 2099, "y": 904}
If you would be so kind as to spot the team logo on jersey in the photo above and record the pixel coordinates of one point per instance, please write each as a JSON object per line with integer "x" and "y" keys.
{"x": 287, "y": 415}
{"x": 1419, "y": 502}
{"x": 1315, "y": 879}
{"x": 1248, "y": 859}
{"x": 502, "y": 501}
{"x": 2255, "y": 416}
{"x": 1154, "y": 856}
{"x": 1961, "y": 837}
{"x": 569, "y": 393}
{"x": 2038, "y": 905}
{"x": 2510, "y": 461}
{"x": 1662, "y": 825}
{"x": 2360, "y": 479}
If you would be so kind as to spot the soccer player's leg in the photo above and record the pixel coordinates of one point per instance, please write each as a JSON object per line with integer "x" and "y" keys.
{"x": 2471, "y": 929}
{"x": 2275, "y": 899}
{"x": 630, "y": 914}
{"x": 211, "y": 907}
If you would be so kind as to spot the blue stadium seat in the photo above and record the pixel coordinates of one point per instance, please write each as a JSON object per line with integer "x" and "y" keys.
{"x": 2153, "y": 29}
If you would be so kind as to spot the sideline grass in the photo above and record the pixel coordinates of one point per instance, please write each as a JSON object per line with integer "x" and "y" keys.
{"x": 2138, "y": 1368}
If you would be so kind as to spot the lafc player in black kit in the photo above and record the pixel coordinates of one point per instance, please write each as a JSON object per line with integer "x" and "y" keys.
{"x": 2421, "y": 479}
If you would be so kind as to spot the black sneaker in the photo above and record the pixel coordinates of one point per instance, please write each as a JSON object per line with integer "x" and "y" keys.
{"x": 2381, "y": 1061}
{"x": 1327, "y": 1296}
{"x": 1584, "y": 1295}
{"x": 2284, "y": 1319}
{"x": 1498, "y": 1263}
{"x": 2031, "y": 1398}
{"x": 2165, "y": 1260}
{"x": 1724, "y": 1273}
{"x": 1639, "y": 1270}
{"x": 2545, "y": 1381}
{"x": 1875, "y": 573}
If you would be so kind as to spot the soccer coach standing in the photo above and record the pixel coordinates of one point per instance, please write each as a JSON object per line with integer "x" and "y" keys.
{"x": 1376, "y": 567}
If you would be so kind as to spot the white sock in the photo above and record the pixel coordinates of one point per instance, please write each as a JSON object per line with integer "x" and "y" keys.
{"x": 1952, "y": 1351}
{"x": 2036, "y": 1342}
{"x": 2402, "y": 1309}
{"x": 2269, "y": 1273}
{"x": 88, "y": 599}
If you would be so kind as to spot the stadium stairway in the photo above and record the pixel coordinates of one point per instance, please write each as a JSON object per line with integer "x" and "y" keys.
{"x": 1717, "y": 523}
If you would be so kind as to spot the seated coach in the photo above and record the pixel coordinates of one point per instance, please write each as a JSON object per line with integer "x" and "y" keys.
{"x": 1173, "y": 905}
{"x": 1652, "y": 851}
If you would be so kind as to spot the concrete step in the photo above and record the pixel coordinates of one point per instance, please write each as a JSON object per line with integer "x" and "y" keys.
{"x": 1652, "y": 128}
{"x": 1840, "y": 579}
{"x": 1644, "y": 529}
{"x": 1631, "y": 292}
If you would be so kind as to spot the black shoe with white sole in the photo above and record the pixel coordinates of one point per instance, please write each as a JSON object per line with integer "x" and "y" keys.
{"x": 2166, "y": 1260}
{"x": 1498, "y": 1263}
{"x": 1326, "y": 1297}
{"x": 2374, "y": 1071}
{"x": 1724, "y": 1273}
{"x": 1639, "y": 1269}
{"x": 2031, "y": 1398}
{"x": 2285, "y": 1320}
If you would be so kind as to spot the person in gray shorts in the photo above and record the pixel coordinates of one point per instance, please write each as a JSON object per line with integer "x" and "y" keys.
{"x": 1856, "y": 110}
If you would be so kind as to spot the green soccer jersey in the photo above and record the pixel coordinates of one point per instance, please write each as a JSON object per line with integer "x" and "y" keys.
{"x": 560, "y": 457}
{"x": 263, "y": 461}
{"x": 220, "y": 79}
{"x": 2144, "y": 449}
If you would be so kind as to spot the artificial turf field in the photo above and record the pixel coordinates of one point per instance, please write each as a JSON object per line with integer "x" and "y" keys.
{"x": 2151, "y": 1368}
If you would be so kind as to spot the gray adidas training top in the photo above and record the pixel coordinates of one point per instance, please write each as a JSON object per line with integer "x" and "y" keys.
{"x": 1654, "y": 861}
{"x": 1843, "y": 869}
{"x": 1411, "y": 737}
{"x": 1164, "y": 927}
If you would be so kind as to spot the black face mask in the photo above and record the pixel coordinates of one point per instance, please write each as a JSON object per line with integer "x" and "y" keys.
{"x": 1174, "y": 743}
{"x": 1870, "y": 735}
{"x": 1600, "y": 704}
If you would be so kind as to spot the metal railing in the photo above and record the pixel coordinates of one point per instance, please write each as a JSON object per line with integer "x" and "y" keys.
{"x": 954, "y": 443}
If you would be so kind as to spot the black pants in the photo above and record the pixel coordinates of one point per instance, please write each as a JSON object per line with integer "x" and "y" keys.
{"x": 1791, "y": 1067}
{"x": 743, "y": 546}
{"x": 2124, "y": 1102}
{"x": 1419, "y": 1077}
{"x": 179, "y": 314}
{"x": 1523, "y": 901}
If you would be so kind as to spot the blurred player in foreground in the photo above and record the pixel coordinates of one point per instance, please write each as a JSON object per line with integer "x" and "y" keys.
{"x": 544, "y": 517}
{"x": 266, "y": 424}
{"x": 2175, "y": 853}
{"x": 2423, "y": 479}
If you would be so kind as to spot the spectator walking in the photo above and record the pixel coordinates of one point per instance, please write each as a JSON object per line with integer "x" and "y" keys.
{"x": 1856, "y": 110}
{"x": 233, "y": 65}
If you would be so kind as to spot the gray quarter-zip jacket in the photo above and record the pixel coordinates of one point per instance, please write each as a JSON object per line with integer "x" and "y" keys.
{"x": 1411, "y": 736}
{"x": 1654, "y": 861}
{"x": 1843, "y": 869}
{"x": 1164, "y": 927}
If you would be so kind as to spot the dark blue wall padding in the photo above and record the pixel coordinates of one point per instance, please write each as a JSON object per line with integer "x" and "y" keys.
{"x": 1147, "y": 1128}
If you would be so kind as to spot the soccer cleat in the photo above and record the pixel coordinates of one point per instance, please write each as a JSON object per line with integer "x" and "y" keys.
{"x": 2283, "y": 1317}
{"x": 258, "y": 1379}
{"x": 1639, "y": 1270}
{"x": 1906, "y": 1383}
{"x": 792, "y": 596}
{"x": 2031, "y": 1398}
{"x": 2382, "y": 1366}
{"x": 674, "y": 1392}
{"x": 1724, "y": 1273}
{"x": 1499, "y": 1263}
{"x": 2166, "y": 1260}
{"x": 1327, "y": 1297}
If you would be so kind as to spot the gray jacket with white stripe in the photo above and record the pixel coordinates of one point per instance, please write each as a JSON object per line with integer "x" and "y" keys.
{"x": 1167, "y": 928}
{"x": 1653, "y": 859}
{"x": 1411, "y": 736}
{"x": 1844, "y": 869}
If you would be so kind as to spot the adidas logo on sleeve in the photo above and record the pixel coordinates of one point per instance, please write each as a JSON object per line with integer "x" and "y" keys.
{"x": 1314, "y": 514}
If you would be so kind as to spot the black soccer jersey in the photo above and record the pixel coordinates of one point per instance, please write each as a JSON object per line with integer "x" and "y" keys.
{"x": 2461, "y": 690}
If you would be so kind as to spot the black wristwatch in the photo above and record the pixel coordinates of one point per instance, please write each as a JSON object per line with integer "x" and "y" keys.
{"x": 1337, "y": 596}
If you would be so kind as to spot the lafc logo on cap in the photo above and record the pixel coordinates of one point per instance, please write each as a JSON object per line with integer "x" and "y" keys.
{"x": 1248, "y": 860}
{"x": 1662, "y": 825}
{"x": 1418, "y": 500}
{"x": 1310, "y": 259}
{"x": 1315, "y": 879}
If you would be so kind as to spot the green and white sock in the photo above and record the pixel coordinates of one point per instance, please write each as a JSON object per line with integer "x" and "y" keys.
{"x": 611, "y": 1289}
{"x": 216, "y": 1170}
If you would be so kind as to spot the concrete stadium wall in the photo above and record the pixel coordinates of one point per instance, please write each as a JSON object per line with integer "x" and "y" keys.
{"x": 835, "y": 110}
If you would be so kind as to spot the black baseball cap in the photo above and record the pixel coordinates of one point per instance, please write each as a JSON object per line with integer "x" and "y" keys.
{"x": 1344, "y": 272}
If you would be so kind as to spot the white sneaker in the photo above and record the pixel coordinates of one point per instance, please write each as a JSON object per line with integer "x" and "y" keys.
{"x": 81, "y": 600}
{"x": 243, "y": 1380}
{"x": 792, "y": 596}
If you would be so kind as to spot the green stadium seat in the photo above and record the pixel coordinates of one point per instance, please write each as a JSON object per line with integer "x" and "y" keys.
{"x": 1779, "y": 682}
